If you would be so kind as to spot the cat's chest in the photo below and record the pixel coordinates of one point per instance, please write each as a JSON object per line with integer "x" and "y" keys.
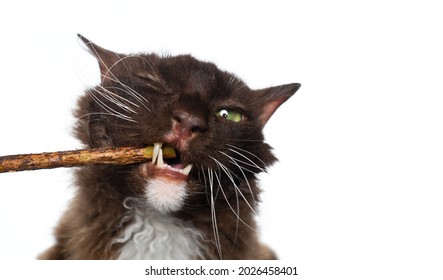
{"x": 157, "y": 236}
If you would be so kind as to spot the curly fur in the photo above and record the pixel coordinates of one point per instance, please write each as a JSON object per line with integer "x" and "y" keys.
{"x": 156, "y": 236}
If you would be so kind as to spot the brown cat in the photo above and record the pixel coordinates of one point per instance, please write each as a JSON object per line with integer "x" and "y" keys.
{"x": 199, "y": 205}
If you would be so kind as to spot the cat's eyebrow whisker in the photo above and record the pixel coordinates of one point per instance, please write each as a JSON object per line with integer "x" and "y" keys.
{"x": 155, "y": 78}
{"x": 232, "y": 79}
{"x": 144, "y": 60}
{"x": 108, "y": 69}
{"x": 238, "y": 89}
{"x": 109, "y": 75}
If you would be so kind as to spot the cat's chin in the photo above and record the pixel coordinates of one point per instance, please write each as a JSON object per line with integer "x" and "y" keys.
{"x": 166, "y": 187}
{"x": 164, "y": 195}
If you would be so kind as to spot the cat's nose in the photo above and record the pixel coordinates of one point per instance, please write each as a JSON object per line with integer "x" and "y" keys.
{"x": 186, "y": 124}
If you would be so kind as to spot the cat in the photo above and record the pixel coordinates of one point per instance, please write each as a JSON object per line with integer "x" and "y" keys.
{"x": 200, "y": 204}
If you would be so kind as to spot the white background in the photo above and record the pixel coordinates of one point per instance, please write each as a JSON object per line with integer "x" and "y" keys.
{"x": 357, "y": 192}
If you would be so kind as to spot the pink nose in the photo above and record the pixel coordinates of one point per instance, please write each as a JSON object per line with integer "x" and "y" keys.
{"x": 187, "y": 125}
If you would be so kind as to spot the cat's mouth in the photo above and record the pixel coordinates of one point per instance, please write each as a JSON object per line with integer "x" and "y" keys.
{"x": 171, "y": 167}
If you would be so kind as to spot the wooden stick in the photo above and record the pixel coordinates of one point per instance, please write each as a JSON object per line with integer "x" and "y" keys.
{"x": 117, "y": 156}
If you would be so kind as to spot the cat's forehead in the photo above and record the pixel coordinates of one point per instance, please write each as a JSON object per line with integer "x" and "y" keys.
{"x": 189, "y": 68}
{"x": 195, "y": 76}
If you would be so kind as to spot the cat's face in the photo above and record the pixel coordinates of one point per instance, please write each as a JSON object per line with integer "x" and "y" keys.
{"x": 211, "y": 118}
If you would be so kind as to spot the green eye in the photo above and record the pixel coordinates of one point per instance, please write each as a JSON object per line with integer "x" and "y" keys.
{"x": 229, "y": 114}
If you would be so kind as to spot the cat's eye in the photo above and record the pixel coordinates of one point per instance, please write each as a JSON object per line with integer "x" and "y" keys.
{"x": 230, "y": 114}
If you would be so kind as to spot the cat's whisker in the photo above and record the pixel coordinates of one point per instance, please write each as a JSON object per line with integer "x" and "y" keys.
{"x": 108, "y": 109}
{"x": 213, "y": 214}
{"x": 130, "y": 91}
{"x": 243, "y": 150}
{"x": 251, "y": 162}
{"x": 101, "y": 114}
{"x": 204, "y": 181}
{"x": 114, "y": 98}
{"x": 137, "y": 96}
{"x": 154, "y": 77}
{"x": 109, "y": 75}
{"x": 108, "y": 69}
{"x": 232, "y": 160}
{"x": 237, "y": 161}
{"x": 236, "y": 191}
{"x": 232, "y": 79}
{"x": 125, "y": 100}
{"x": 236, "y": 188}
{"x": 237, "y": 214}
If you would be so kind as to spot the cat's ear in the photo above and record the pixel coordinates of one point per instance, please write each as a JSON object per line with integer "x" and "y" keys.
{"x": 107, "y": 60}
{"x": 271, "y": 98}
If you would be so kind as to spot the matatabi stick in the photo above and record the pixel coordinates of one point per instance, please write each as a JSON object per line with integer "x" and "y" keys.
{"x": 116, "y": 156}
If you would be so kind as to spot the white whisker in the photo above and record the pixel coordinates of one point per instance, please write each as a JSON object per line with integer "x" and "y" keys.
{"x": 251, "y": 164}
{"x": 226, "y": 171}
{"x": 109, "y": 75}
{"x": 131, "y": 92}
{"x": 114, "y": 98}
{"x": 243, "y": 150}
{"x": 101, "y": 113}
{"x": 232, "y": 160}
{"x": 137, "y": 96}
{"x": 121, "y": 97}
{"x": 108, "y": 109}
{"x": 213, "y": 215}
{"x": 232, "y": 79}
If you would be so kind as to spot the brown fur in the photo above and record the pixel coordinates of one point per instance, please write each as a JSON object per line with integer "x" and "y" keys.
{"x": 178, "y": 94}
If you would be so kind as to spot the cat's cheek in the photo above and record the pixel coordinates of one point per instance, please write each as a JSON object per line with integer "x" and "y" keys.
{"x": 165, "y": 195}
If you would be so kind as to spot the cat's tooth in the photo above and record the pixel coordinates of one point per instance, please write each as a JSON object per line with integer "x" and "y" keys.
{"x": 187, "y": 169}
{"x": 160, "y": 162}
{"x": 157, "y": 148}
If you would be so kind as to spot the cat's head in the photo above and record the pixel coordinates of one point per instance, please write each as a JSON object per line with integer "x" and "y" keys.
{"x": 210, "y": 117}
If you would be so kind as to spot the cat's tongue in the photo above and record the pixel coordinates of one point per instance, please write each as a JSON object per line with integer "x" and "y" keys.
{"x": 177, "y": 166}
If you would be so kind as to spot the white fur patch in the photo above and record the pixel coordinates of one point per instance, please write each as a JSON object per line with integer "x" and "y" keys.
{"x": 164, "y": 195}
{"x": 157, "y": 236}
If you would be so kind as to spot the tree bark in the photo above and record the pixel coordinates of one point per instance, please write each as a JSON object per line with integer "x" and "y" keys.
{"x": 117, "y": 156}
